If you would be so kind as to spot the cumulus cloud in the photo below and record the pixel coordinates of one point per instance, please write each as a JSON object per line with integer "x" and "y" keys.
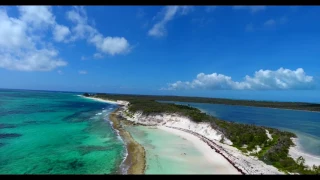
{"x": 33, "y": 60}
{"x": 168, "y": 13}
{"x": 83, "y": 72}
{"x": 82, "y": 30}
{"x": 280, "y": 79}
{"x": 110, "y": 45}
{"x": 21, "y": 45}
{"x": 252, "y": 9}
{"x": 37, "y": 16}
{"x": 60, "y": 32}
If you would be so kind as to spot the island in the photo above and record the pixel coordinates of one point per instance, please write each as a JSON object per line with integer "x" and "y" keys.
{"x": 248, "y": 148}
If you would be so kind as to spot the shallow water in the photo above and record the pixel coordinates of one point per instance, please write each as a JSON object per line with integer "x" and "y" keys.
{"x": 306, "y": 125}
{"x": 167, "y": 153}
{"x": 56, "y": 133}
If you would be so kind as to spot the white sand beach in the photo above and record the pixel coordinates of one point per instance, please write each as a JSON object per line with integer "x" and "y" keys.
{"x": 220, "y": 164}
{"x": 247, "y": 164}
{"x": 296, "y": 152}
{"x": 221, "y": 155}
{"x": 107, "y": 101}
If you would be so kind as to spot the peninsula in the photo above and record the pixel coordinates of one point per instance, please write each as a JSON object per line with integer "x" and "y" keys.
{"x": 249, "y": 149}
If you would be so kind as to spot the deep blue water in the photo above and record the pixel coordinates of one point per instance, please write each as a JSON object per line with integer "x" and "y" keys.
{"x": 305, "y": 124}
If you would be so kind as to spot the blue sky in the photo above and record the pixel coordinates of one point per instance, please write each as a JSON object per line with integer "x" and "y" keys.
{"x": 243, "y": 52}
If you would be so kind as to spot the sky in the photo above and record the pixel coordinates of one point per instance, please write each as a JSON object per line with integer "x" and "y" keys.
{"x": 240, "y": 52}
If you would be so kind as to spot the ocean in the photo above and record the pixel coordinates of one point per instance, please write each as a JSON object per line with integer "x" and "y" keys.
{"x": 45, "y": 132}
{"x": 306, "y": 125}
{"x": 56, "y": 133}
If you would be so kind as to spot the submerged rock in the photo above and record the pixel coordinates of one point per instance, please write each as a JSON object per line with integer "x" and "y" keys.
{"x": 9, "y": 135}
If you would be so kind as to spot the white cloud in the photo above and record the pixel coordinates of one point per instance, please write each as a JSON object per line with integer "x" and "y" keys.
{"x": 280, "y": 79}
{"x": 110, "y": 45}
{"x": 32, "y": 60}
{"x": 60, "y": 72}
{"x": 82, "y": 30}
{"x": 60, "y": 32}
{"x": 252, "y": 9}
{"x": 13, "y": 33}
{"x": 83, "y": 72}
{"x": 98, "y": 56}
{"x": 21, "y": 48}
{"x": 270, "y": 22}
{"x": 37, "y": 16}
{"x": 168, "y": 14}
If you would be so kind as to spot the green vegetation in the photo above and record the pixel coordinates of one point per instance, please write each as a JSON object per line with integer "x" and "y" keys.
{"x": 86, "y": 95}
{"x": 270, "y": 104}
{"x": 243, "y": 136}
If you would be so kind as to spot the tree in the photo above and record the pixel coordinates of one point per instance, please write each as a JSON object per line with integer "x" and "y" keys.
{"x": 301, "y": 161}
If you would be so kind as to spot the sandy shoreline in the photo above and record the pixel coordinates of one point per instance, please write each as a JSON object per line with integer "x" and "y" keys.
{"x": 296, "y": 152}
{"x": 121, "y": 103}
{"x": 219, "y": 163}
{"x": 226, "y": 165}
{"x": 228, "y": 161}
{"x": 135, "y": 160}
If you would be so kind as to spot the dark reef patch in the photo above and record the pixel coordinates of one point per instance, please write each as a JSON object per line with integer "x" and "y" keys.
{"x": 75, "y": 164}
{"x": 9, "y": 135}
{"x": 4, "y": 126}
{"x": 30, "y": 122}
{"x": 81, "y": 116}
{"x": 88, "y": 149}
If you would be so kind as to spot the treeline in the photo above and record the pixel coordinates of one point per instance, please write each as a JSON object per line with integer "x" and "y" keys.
{"x": 270, "y": 104}
{"x": 243, "y": 136}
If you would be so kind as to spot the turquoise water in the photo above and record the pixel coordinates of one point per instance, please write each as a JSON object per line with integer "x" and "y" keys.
{"x": 305, "y": 124}
{"x": 56, "y": 133}
{"x": 167, "y": 153}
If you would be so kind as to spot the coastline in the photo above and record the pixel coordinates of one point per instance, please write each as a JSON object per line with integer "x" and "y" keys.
{"x": 295, "y": 152}
{"x": 120, "y": 103}
{"x": 234, "y": 158}
{"x": 219, "y": 163}
{"x": 233, "y": 155}
{"x": 243, "y": 163}
{"x": 135, "y": 161}
{"x": 303, "y": 110}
